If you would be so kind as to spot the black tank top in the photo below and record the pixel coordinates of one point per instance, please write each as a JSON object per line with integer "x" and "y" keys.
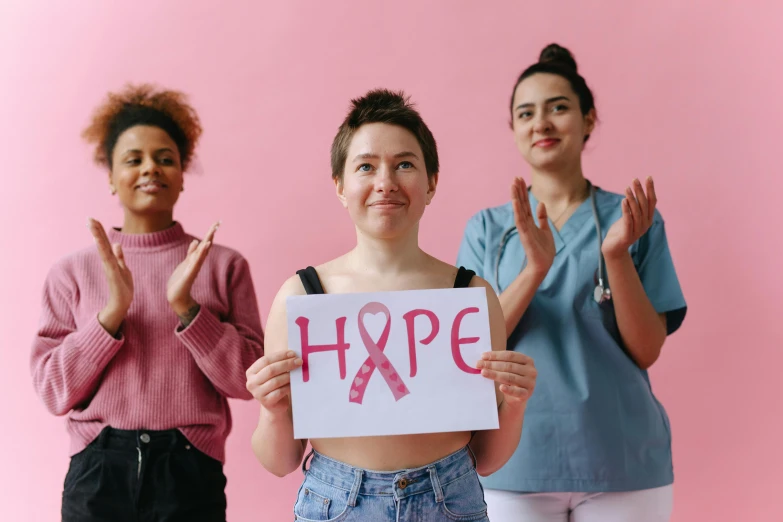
{"x": 312, "y": 284}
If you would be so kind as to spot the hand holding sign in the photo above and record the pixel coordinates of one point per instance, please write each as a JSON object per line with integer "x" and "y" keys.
{"x": 269, "y": 378}
{"x": 515, "y": 372}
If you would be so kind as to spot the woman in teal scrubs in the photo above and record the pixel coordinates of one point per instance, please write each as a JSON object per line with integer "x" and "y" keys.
{"x": 589, "y": 291}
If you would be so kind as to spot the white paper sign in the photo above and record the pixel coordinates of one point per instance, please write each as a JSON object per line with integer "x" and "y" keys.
{"x": 390, "y": 363}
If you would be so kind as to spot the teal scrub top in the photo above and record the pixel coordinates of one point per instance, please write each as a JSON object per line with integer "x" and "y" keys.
{"x": 592, "y": 423}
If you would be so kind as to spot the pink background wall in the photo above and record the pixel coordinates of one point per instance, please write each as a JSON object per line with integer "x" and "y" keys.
{"x": 686, "y": 92}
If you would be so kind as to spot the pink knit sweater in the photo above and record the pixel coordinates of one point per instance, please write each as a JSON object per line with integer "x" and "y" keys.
{"x": 152, "y": 376}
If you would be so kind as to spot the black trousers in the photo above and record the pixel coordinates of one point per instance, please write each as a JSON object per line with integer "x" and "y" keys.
{"x": 143, "y": 476}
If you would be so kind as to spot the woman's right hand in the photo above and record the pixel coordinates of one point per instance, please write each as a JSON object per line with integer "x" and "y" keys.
{"x": 117, "y": 275}
{"x": 537, "y": 241}
{"x": 269, "y": 380}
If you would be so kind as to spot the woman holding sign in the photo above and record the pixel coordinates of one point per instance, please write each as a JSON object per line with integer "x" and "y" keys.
{"x": 145, "y": 335}
{"x": 385, "y": 170}
{"x": 589, "y": 290}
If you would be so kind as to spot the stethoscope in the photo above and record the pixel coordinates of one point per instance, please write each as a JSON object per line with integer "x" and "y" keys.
{"x": 602, "y": 292}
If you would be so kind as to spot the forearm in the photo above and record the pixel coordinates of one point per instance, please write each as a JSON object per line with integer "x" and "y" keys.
{"x": 66, "y": 370}
{"x": 641, "y": 328}
{"x": 517, "y": 297}
{"x": 223, "y": 351}
{"x": 493, "y": 448}
{"x": 274, "y": 444}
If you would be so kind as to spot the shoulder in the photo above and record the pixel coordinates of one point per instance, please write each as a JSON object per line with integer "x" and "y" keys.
{"x": 71, "y": 267}
{"x": 500, "y": 215}
{"x": 291, "y": 286}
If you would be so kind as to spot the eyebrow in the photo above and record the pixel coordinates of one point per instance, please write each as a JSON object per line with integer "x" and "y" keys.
{"x": 550, "y": 100}
{"x": 404, "y": 154}
{"x": 137, "y": 151}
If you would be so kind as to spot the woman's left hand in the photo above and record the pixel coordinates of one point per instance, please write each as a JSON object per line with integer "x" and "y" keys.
{"x": 513, "y": 371}
{"x": 181, "y": 281}
{"x": 638, "y": 211}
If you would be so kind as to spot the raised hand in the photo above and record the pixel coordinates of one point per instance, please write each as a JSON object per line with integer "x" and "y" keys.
{"x": 638, "y": 211}
{"x": 513, "y": 371}
{"x": 181, "y": 280}
{"x": 269, "y": 380}
{"x": 537, "y": 241}
{"x": 117, "y": 275}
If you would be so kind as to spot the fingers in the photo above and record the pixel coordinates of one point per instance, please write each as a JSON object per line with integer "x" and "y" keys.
{"x": 651, "y": 198}
{"x": 211, "y": 232}
{"x": 641, "y": 199}
{"x": 269, "y": 375}
{"x": 192, "y": 246}
{"x": 266, "y": 360}
{"x": 102, "y": 241}
{"x": 506, "y": 355}
{"x": 271, "y": 366}
{"x": 276, "y": 396}
{"x": 543, "y": 219}
{"x": 519, "y": 213}
{"x": 522, "y": 192}
{"x": 627, "y": 218}
{"x": 521, "y": 205}
{"x": 119, "y": 255}
{"x": 514, "y": 372}
{"x": 635, "y": 212}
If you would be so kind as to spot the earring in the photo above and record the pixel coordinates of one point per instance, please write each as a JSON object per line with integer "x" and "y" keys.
{"x": 113, "y": 191}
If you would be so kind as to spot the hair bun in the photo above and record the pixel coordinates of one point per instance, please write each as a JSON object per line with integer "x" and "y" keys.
{"x": 553, "y": 53}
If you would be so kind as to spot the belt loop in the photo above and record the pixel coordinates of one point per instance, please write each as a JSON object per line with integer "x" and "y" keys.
{"x": 435, "y": 484}
{"x": 103, "y": 438}
{"x": 179, "y": 440}
{"x": 472, "y": 456}
{"x": 304, "y": 462}
{"x": 357, "y": 483}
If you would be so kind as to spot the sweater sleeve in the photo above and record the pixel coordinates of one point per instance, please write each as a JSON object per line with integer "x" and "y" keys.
{"x": 67, "y": 362}
{"x": 225, "y": 348}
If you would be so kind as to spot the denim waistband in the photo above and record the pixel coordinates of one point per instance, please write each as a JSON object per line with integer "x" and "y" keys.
{"x": 401, "y": 483}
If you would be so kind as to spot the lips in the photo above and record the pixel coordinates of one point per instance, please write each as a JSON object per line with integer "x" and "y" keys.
{"x": 546, "y": 143}
{"x": 152, "y": 187}
{"x": 387, "y": 204}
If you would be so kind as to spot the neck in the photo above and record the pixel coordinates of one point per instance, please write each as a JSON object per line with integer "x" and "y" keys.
{"x": 559, "y": 188}
{"x": 147, "y": 223}
{"x": 387, "y": 255}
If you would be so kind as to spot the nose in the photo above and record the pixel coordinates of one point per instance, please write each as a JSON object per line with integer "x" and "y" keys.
{"x": 386, "y": 179}
{"x": 541, "y": 123}
{"x": 150, "y": 167}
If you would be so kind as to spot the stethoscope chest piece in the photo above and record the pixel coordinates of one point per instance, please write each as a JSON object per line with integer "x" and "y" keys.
{"x": 601, "y": 294}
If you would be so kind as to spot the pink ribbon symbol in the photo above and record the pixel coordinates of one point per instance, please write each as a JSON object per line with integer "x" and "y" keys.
{"x": 376, "y": 358}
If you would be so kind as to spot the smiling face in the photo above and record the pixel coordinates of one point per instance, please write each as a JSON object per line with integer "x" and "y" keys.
{"x": 548, "y": 124}
{"x": 146, "y": 170}
{"x": 385, "y": 186}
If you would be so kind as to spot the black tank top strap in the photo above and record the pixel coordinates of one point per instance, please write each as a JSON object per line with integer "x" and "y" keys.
{"x": 464, "y": 276}
{"x": 310, "y": 281}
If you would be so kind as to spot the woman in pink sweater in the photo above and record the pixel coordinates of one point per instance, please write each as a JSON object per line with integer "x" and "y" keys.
{"x": 146, "y": 334}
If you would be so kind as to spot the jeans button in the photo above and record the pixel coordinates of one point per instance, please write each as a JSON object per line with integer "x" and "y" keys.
{"x": 145, "y": 438}
{"x": 403, "y": 483}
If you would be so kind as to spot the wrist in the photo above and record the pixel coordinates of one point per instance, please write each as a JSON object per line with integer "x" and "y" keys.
{"x": 272, "y": 417}
{"x": 182, "y": 307}
{"x": 512, "y": 409}
{"x": 536, "y": 273}
{"x": 110, "y": 318}
{"x": 616, "y": 254}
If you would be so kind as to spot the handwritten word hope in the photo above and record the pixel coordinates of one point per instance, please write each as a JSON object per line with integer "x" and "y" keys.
{"x": 376, "y": 359}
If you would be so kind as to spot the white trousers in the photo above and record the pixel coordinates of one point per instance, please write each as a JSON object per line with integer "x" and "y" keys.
{"x": 648, "y": 505}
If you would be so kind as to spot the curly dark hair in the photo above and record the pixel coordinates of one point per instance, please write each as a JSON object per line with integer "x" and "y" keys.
{"x": 143, "y": 105}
